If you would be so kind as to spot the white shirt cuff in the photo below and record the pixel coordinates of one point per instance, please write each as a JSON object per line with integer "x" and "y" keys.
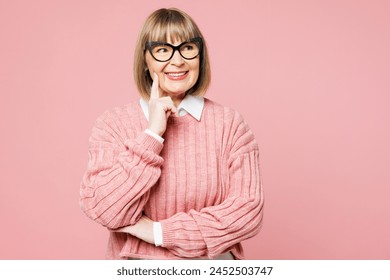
{"x": 155, "y": 135}
{"x": 157, "y": 232}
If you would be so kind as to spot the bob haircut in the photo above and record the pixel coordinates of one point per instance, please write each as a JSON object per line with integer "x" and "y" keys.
{"x": 162, "y": 25}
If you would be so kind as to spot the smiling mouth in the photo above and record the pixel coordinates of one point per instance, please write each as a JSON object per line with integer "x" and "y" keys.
{"x": 177, "y": 76}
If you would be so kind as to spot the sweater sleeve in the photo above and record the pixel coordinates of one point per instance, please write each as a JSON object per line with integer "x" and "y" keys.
{"x": 120, "y": 173}
{"x": 213, "y": 230}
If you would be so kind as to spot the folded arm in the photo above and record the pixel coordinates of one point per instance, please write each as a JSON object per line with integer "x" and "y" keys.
{"x": 121, "y": 171}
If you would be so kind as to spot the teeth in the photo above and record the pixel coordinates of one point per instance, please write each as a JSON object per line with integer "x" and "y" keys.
{"x": 176, "y": 74}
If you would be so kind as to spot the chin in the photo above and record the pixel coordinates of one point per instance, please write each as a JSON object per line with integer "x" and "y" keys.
{"x": 176, "y": 90}
{"x": 176, "y": 93}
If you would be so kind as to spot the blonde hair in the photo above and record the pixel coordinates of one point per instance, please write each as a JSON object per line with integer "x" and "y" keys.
{"x": 177, "y": 25}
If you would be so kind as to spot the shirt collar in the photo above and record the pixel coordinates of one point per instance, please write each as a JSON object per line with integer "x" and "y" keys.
{"x": 192, "y": 105}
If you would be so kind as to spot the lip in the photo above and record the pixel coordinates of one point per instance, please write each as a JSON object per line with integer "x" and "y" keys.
{"x": 176, "y": 76}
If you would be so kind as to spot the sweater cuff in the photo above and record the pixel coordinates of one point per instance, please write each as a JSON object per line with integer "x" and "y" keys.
{"x": 168, "y": 234}
{"x": 149, "y": 142}
{"x": 155, "y": 135}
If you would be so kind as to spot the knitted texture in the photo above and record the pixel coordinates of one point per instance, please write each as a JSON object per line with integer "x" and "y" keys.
{"x": 203, "y": 184}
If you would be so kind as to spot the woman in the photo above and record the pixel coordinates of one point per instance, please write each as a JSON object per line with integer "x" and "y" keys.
{"x": 175, "y": 175}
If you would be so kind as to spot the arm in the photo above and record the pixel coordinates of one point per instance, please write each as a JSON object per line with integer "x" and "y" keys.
{"x": 212, "y": 230}
{"x": 138, "y": 152}
{"x": 120, "y": 173}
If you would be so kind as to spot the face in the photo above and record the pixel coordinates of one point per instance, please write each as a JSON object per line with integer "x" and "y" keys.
{"x": 176, "y": 76}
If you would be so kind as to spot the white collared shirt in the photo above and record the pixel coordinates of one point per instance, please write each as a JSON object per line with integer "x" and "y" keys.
{"x": 192, "y": 105}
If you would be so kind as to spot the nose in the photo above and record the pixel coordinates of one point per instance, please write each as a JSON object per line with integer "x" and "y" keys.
{"x": 176, "y": 59}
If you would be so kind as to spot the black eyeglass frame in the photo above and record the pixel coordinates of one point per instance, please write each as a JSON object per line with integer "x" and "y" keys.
{"x": 150, "y": 45}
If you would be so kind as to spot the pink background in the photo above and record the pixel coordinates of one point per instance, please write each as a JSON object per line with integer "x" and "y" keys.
{"x": 310, "y": 77}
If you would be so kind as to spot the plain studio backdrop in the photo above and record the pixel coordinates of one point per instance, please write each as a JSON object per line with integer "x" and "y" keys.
{"x": 310, "y": 77}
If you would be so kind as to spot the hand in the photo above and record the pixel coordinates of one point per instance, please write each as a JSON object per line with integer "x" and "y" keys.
{"x": 143, "y": 229}
{"x": 160, "y": 108}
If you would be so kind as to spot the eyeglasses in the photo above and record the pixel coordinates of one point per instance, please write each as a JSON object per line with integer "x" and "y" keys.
{"x": 163, "y": 52}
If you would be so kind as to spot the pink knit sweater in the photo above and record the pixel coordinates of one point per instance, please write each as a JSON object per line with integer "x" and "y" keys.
{"x": 203, "y": 184}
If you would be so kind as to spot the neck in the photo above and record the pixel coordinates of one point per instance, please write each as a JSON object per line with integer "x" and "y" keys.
{"x": 177, "y": 98}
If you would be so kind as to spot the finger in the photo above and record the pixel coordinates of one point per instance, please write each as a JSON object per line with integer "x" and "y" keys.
{"x": 154, "y": 94}
{"x": 170, "y": 107}
{"x": 146, "y": 218}
{"x": 167, "y": 100}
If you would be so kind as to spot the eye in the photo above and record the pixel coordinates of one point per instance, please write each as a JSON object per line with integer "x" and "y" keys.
{"x": 188, "y": 47}
{"x": 160, "y": 49}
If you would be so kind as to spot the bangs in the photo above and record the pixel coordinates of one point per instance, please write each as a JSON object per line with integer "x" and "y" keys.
{"x": 171, "y": 28}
